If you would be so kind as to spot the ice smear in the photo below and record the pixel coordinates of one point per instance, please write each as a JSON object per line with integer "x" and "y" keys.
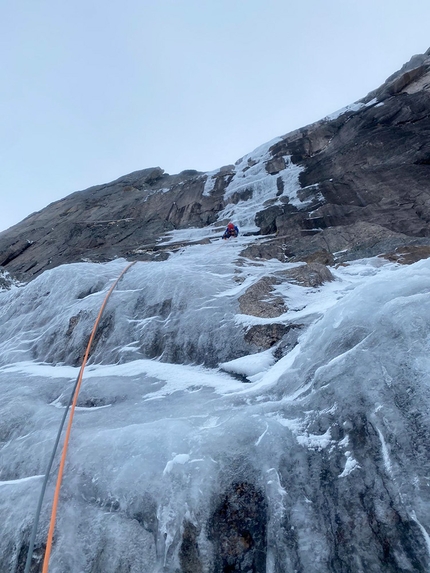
{"x": 423, "y": 531}
{"x": 385, "y": 453}
{"x": 251, "y": 176}
{"x": 210, "y": 182}
{"x": 315, "y": 441}
{"x": 21, "y": 480}
{"x": 192, "y": 235}
{"x": 257, "y": 443}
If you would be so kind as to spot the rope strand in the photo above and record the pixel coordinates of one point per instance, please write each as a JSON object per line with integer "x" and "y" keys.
{"x": 71, "y": 406}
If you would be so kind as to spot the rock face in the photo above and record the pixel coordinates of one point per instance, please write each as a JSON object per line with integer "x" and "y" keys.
{"x": 259, "y": 299}
{"x": 238, "y": 530}
{"x": 108, "y": 221}
{"x": 365, "y": 171}
{"x": 363, "y": 189}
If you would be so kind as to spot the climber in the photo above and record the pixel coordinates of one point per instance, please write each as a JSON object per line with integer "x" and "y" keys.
{"x": 231, "y": 231}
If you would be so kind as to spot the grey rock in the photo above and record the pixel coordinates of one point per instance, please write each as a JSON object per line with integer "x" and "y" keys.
{"x": 275, "y": 165}
{"x": 101, "y": 223}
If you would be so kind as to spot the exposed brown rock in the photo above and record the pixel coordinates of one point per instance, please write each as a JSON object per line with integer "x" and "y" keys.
{"x": 323, "y": 257}
{"x": 270, "y": 249}
{"x": 408, "y": 254}
{"x": 308, "y": 275}
{"x": 259, "y": 299}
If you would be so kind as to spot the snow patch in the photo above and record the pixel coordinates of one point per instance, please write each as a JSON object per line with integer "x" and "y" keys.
{"x": 210, "y": 182}
{"x": 251, "y": 365}
{"x": 350, "y": 465}
{"x": 315, "y": 441}
{"x": 357, "y": 106}
{"x": 180, "y": 459}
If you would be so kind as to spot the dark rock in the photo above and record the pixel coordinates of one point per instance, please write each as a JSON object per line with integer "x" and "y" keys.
{"x": 323, "y": 257}
{"x": 266, "y": 219}
{"x": 222, "y": 180}
{"x": 36, "y": 560}
{"x": 238, "y": 530}
{"x": 144, "y": 510}
{"x": 242, "y": 195}
{"x": 280, "y": 185}
{"x": 364, "y": 172}
{"x": 375, "y": 248}
{"x": 73, "y": 321}
{"x": 264, "y": 336}
{"x": 288, "y": 341}
{"x": 14, "y": 250}
{"x": 270, "y": 249}
{"x": 189, "y": 556}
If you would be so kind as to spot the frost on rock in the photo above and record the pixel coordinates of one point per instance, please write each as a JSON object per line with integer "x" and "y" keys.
{"x": 7, "y": 281}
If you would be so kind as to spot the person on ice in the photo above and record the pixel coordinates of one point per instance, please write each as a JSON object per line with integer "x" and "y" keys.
{"x": 231, "y": 231}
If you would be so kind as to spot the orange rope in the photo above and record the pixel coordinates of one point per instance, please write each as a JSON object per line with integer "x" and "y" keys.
{"x": 69, "y": 426}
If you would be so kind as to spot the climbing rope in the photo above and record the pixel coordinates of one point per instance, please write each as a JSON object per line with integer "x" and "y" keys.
{"x": 71, "y": 406}
{"x": 218, "y": 248}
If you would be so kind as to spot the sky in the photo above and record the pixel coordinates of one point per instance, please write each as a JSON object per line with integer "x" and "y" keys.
{"x": 93, "y": 89}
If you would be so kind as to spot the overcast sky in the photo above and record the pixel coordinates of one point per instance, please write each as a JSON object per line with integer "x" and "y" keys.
{"x": 94, "y": 89}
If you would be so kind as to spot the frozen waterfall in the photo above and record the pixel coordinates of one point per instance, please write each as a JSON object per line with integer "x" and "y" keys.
{"x": 317, "y": 461}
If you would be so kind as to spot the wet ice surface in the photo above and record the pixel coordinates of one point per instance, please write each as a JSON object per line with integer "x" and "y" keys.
{"x": 335, "y": 433}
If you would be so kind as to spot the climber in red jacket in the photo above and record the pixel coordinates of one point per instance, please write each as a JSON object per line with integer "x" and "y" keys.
{"x": 231, "y": 231}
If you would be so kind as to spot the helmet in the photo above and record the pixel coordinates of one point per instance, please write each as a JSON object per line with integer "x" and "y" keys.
{"x": 230, "y": 226}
